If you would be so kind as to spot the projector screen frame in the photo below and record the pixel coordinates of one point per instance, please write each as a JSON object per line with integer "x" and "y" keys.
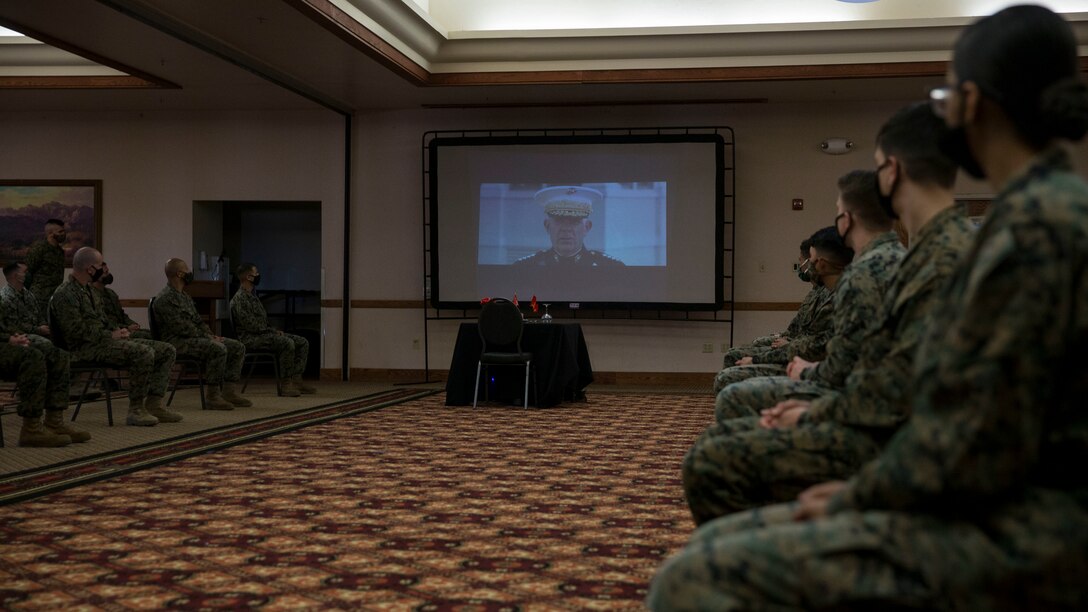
{"x": 724, "y": 210}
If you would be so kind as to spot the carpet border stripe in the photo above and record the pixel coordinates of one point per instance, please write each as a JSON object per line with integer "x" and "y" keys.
{"x": 20, "y": 495}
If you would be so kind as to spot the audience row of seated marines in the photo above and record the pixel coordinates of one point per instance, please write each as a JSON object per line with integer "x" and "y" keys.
{"x": 918, "y": 437}
{"x": 45, "y": 327}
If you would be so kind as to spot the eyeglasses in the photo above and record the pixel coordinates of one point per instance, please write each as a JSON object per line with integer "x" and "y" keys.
{"x": 938, "y": 100}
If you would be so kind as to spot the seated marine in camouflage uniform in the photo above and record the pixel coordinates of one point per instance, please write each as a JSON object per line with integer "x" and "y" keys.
{"x": 79, "y": 326}
{"x": 20, "y": 319}
{"x": 110, "y": 304}
{"x": 746, "y": 462}
{"x": 40, "y": 371}
{"x": 566, "y": 210}
{"x": 178, "y": 322}
{"x": 20, "y": 306}
{"x": 859, "y": 295}
{"x": 798, "y": 324}
{"x": 251, "y": 325}
{"x": 980, "y": 500}
{"x": 828, "y": 257}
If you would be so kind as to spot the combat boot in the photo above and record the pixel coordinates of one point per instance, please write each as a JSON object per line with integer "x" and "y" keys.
{"x": 137, "y": 415}
{"x": 288, "y": 388}
{"x": 230, "y": 393}
{"x": 54, "y": 422}
{"x": 214, "y": 400}
{"x": 303, "y": 387}
{"x": 154, "y": 407}
{"x": 35, "y": 434}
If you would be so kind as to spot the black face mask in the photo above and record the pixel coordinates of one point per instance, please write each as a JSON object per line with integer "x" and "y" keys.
{"x": 60, "y": 237}
{"x": 256, "y": 279}
{"x": 107, "y": 279}
{"x": 97, "y": 274}
{"x": 804, "y": 272}
{"x": 886, "y": 200}
{"x": 187, "y": 278}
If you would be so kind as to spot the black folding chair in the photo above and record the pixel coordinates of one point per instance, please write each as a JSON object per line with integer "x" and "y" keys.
{"x": 185, "y": 364}
{"x": 500, "y": 326}
{"x": 93, "y": 369}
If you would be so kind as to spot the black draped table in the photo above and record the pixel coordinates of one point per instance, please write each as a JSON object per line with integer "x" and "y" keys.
{"x": 560, "y": 361}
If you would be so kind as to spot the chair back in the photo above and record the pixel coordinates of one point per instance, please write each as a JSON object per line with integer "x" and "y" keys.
{"x": 152, "y": 324}
{"x": 227, "y": 325}
{"x": 500, "y": 324}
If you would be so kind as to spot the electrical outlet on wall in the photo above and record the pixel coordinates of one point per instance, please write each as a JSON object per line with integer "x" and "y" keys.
{"x": 708, "y": 347}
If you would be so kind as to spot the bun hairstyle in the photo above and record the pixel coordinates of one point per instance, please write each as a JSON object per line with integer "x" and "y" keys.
{"x": 1024, "y": 58}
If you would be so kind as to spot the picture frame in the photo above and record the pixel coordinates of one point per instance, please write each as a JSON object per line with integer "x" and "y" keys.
{"x": 25, "y": 206}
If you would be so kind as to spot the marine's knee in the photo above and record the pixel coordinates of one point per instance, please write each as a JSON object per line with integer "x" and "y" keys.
{"x": 32, "y": 363}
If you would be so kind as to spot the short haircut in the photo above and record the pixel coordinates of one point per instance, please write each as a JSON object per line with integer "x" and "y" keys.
{"x": 912, "y": 135}
{"x": 805, "y": 244}
{"x": 84, "y": 257}
{"x": 859, "y": 197}
{"x": 55, "y": 222}
{"x": 830, "y": 246}
{"x": 10, "y": 268}
{"x": 244, "y": 268}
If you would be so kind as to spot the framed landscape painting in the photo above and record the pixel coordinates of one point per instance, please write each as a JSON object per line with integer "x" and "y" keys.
{"x": 25, "y": 206}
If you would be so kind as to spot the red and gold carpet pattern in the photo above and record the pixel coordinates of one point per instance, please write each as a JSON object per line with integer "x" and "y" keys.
{"x": 415, "y": 506}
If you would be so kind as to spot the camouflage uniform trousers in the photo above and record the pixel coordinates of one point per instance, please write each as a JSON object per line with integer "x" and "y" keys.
{"x": 26, "y": 367}
{"x": 222, "y": 361}
{"x": 57, "y": 373}
{"x": 734, "y": 374}
{"x": 291, "y": 351}
{"x": 749, "y": 397}
{"x": 140, "y": 334}
{"x": 738, "y": 465}
{"x": 875, "y": 560}
{"x": 148, "y": 363}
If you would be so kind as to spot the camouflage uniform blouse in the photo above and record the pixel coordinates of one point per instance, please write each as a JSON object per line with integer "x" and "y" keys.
{"x": 999, "y": 417}
{"x": 177, "y": 318}
{"x": 45, "y": 266}
{"x": 77, "y": 318}
{"x": 877, "y": 391}
{"x": 806, "y": 312}
{"x": 859, "y": 296}
{"x": 249, "y": 316}
{"x": 21, "y": 311}
{"x": 811, "y": 342}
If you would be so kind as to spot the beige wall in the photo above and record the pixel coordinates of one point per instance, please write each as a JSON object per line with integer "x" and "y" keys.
{"x": 154, "y": 165}
{"x": 777, "y": 160}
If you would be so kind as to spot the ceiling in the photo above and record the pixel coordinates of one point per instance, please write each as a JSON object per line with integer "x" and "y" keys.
{"x": 358, "y": 55}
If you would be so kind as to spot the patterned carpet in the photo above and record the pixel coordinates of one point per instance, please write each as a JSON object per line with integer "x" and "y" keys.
{"x": 414, "y": 506}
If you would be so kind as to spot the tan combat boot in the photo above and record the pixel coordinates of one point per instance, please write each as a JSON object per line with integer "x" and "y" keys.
{"x": 35, "y": 434}
{"x": 214, "y": 400}
{"x": 289, "y": 389}
{"x": 230, "y": 393}
{"x": 154, "y": 407}
{"x": 54, "y": 422}
{"x": 137, "y": 415}
{"x": 303, "y": 387}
